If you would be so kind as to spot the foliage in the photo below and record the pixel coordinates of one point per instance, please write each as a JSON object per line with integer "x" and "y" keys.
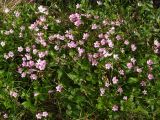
{"x": 93, "y": 61}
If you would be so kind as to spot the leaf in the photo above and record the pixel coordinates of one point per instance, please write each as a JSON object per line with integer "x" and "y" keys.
{"x": 28, "y": 105}
{"x": 132, "y": 80}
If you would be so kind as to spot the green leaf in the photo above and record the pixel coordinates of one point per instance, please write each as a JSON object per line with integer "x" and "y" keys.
{"x": 132, "y": 80}
{"x": 29, "y": 105}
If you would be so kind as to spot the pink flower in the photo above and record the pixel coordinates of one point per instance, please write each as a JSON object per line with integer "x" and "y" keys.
{"x": 114, "y": 80}
{"x": 5, "y": 116}
{"x": 149, "y": 62}
{"x": 72, "y": 44}
{"x": 78, "y": 23}
{"x": 103, "y": 42}
{"x": 23, "y": 74}
{"x": 118, "y": 37}
{"x": 6, "y": 56}
{"x": 41, "y": 64}
{"x": 115, "y": 108}
{"x": 110, "y": 43}
{"x": 143, "y": 83}
{"x": 28, "y": 49}
{"x": 35, "y": 51}
{"x": 126, "y": 42}
{"x": 133, "y": 60}
{"x": 45, "y": 114}
{"x": 133, "y": 47}
{"x": 85, "y": 36}
{"x": 129, "y": 65}
{"x": 31, "y": 63}
{"x": 20, "y": 49}
{"x": 102, "y": 91}
{"x": 108, "y": 66}
{"x": 74, "y": 17}
{"x": 150, "y": 76}
{"x": 94, "y": 62}
{"x": 120, "y": 90}
{"x": 33, "y": 76}
{"x": 13, "y": 94}
{"x": 41, "y": 54}
{"x": 78, "y": 6}
{"x": 59, "y": 88}
{"x": 96, "y": 44}
{"x": 80, "y": 51}
{"x": 139, "y": 70}
{"x": 125, "y": 97}
{"x": 10, "y": 54}
{"x": 107, "y": 84}
{"x": 39, "y": 116}
{"x": 94, "y": 26}
{"x": 121, "y": 72}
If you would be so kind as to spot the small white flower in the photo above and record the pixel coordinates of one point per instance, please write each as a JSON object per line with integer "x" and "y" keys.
{"x": 99, "y": 2}
{"x": 45, "y": 114}
{"x": 3, "y": 43}
{"x": 6, "y": 10}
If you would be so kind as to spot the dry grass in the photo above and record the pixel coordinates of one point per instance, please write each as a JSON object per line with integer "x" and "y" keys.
{"x": 9, "y": 4}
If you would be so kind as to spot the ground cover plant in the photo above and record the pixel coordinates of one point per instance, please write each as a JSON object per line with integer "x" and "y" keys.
{"x": 82, "y": 61}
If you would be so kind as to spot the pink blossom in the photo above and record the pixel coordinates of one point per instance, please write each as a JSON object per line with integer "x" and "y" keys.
{"x": 59, "y": 88}
{"x": 45, "y": 114}
{"x": 6, "y": 56}
{"x": 125, "y": 97}
{"x": 107, "y": 84}
{"x": 5, "y": 116}
{"x": 118, "y": 37}
{"x": 96, "y": 44}
{"x": 94, "y": 62}
{"x": 120, "y": 90}
{"x": 114, "y": 80}
{"x": 28, "y": 49}
{"x": 78, "y": 23}
{"x": 41, "y": 64}
{"x": 10, "y": 54}
{"x": 33, "y": 76}
{"x": 72, "y": 44}
{"x": 13, "y": 94}
{"x": 78, "y": 6}
{"x": 133, "y": 60}
{"x": 129, "y": 65}
{"x": 150, "y": 76}
{"x": 103, "y": 42}
{"x": 35, "y": 51}
{"x": 149, "y": 62}
{"x": 121, "y": 72}
{"x": 85, "y": 36}
{"x": 102, "y": 91}
{"x": 41, "y": 54}
{"x": 143, "y": 83}
{"x": 139, "y": 70}
{"x": 115, "y": 108}
{"x": 23, "y": 74}
{"x": 31, "y": 63}
{"x": 80, "y": 51}
{"x": 108, "y": 66}
{"x": 126, "y": 42}
{"x": 39, "y": 116}
{"x": 20, "y": 49}
{"x": 133, "y": 47}
{"x": 74, "y": 17}
{"x": 94, "y": 26}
